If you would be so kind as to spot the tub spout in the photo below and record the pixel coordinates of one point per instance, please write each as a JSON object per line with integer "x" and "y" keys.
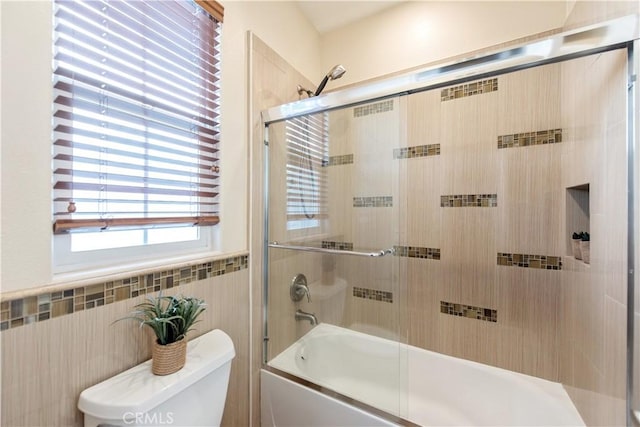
{"x": 301, "y": 315}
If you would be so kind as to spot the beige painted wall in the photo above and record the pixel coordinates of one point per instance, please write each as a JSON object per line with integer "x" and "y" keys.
{"x": 415, "y": 33}
{"x": 26, "y": 144}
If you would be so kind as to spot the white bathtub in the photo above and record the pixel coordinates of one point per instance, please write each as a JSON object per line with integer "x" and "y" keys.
{"x": 417, "y": 385}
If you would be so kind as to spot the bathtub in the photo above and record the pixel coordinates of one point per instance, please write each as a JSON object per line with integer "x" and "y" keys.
{"x": 402, "y": 383}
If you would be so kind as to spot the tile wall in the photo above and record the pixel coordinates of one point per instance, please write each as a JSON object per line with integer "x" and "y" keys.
{"x": 347, "y": 291}
{"x": 469, "y": 186}
{"x": 273, "y": 82}
{"x": 48, "y": 360}
{"x": 46, "y": 305}
{"x": 477, "y": 203}
{"x": 592, "y": 348}
{"x": 457, "y": 209}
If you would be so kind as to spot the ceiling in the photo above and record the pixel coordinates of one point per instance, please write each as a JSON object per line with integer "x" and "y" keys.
{"x": 329, "y": 15}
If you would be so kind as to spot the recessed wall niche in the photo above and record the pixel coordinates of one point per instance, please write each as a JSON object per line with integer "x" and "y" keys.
{"x": 577, "y": 213}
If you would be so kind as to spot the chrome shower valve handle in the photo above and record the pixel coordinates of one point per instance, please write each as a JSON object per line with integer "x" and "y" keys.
{"x": 299, "y": 288}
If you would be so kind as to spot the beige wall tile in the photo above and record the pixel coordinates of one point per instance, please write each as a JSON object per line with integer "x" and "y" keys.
{"x": 529, "y": 200}
{"x": 273, "y": 82}
{"x": 46, "y": 365}
{"x": 420, "y": 202}
{"x": 585, "y": 12}
{"x": 340, "y": 202}
{"x": 615, "y": 342}
{"x": 423, "y": 118}
{"x": 468, "y": 256}
{"x": 573, "y": 271}
{"x": 468, "y": 141}
{"x": 468, "y": 339}
{"x": 373, "y": 138}
{"x": 377, "y": 318}
{"x": 592, "y": 324}
{"x": 281, "y": 322}
{"x": 529, "y": 100}
{"x": 528, "y": 307}
{"x": 423, "y": 279}
{"x": 556, "y": 325}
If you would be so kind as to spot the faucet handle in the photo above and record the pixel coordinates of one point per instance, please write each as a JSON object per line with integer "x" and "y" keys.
{"x": 299, "y": 288}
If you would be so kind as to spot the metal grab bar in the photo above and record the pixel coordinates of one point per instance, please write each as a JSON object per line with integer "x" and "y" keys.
{"x": 379, "y": 253}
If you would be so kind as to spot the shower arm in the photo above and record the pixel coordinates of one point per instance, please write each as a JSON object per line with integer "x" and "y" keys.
{"x": 301, "y": 90}
{"x": 376, "y": 254}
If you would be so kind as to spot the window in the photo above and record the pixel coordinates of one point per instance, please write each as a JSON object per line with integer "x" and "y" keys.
{"x": 136, "y": 123}
{"x": 307, "y": 156}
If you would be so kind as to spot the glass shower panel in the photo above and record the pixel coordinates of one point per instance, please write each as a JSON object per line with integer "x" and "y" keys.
{"x": 333, "y": 218}
{"x": 464, "y": 199}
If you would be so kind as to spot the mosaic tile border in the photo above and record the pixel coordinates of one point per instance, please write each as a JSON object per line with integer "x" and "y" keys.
{"x": 341, "y": 246}
{"x": 417, "y": 252}
{"x": 373, "y": 294}
{"x": 375, "y": 108}
{"x": 344, "y": 159}
{"x": 469, "y": 200}
{"x": 38, "y": 308}
{"x": 469, "y": 89}
{"x": 373, "y": 202}
{"x": 525, "y": 139}
{"x": 543, "y": 262}
{"x": 416, "y": 151}
{"x": 469, "y": 311}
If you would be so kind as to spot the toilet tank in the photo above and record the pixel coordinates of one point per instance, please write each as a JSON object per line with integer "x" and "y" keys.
{"x": 193, "y": 396}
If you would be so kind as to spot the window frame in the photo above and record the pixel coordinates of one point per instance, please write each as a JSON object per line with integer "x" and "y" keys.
{"x": 65, "y": 261}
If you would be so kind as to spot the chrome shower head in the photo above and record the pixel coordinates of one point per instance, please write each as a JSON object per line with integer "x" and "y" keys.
{"x": 336, "y": 72}
{"x": 333, "y": 74}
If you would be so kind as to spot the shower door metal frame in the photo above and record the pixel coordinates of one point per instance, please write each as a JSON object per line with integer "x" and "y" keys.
{"x": 633, "y": 416}
{"x": 620, "y": 33}
{"x": 601, "y": 37}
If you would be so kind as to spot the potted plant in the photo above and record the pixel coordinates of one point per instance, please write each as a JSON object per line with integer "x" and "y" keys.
{"x": 585, "y": 247}
{"x": 170, "y": 318}
{"x": 576, "y": 238}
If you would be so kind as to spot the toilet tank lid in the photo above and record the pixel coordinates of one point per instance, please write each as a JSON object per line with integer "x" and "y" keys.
{"x": 138, "y": 390}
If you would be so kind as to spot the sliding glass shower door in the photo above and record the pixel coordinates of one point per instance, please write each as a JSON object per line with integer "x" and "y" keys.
{"x": 333, "y": 218}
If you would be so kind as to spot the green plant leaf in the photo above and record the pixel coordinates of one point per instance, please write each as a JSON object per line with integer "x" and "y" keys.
{"x": 170, "y": 317}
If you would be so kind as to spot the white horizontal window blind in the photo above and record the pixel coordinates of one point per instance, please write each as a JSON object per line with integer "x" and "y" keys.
{"x": 136, "y": 114}
{"x": 307, "y": 157}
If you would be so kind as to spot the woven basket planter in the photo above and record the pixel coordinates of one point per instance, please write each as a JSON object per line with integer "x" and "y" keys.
{"x": 575, "y": 248}
{"x": 170, "y": 358}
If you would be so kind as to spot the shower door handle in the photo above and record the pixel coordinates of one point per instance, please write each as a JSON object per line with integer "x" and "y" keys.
{"x": 375, "y": 254}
